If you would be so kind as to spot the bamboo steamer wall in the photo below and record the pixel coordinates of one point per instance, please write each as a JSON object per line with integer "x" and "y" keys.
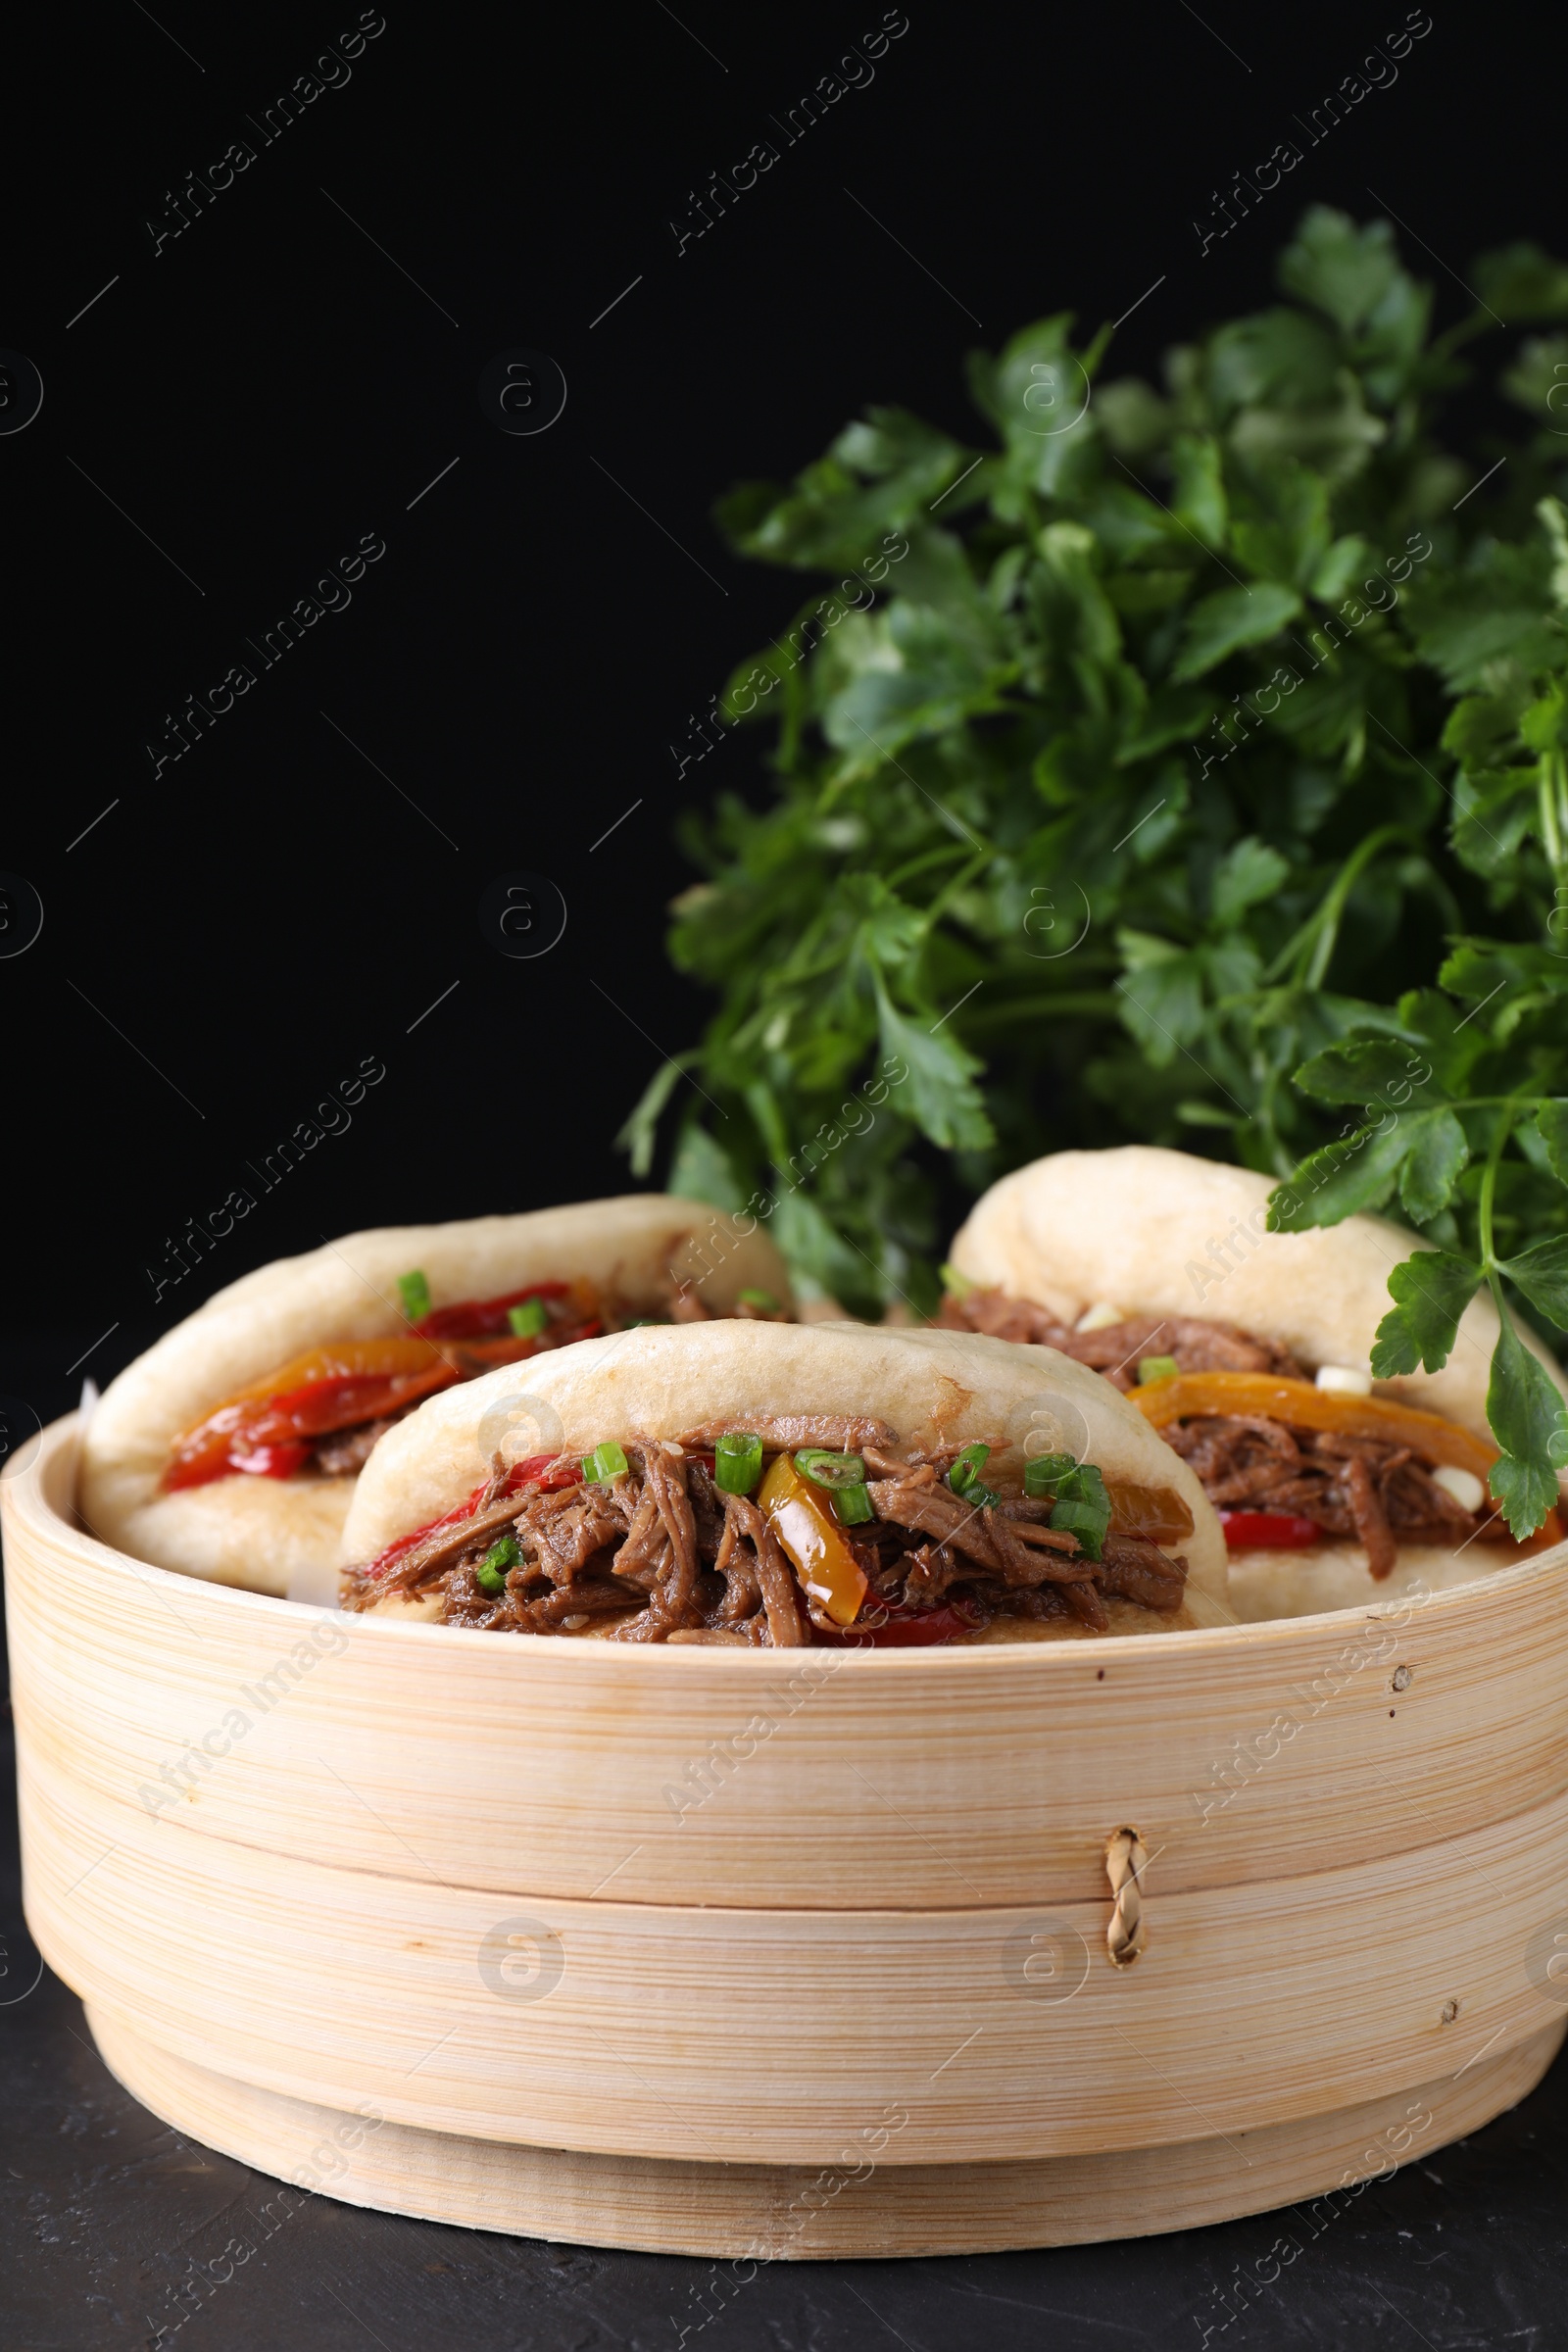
{"x": 729, "y": 1908}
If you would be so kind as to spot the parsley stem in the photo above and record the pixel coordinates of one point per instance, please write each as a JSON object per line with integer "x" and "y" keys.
{"x": 1489, "y": 1187}
{"x": 1552, "y": 791}
{"x": 1318, "y": 936}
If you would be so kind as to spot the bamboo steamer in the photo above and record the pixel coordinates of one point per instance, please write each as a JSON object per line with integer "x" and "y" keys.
{"x": 1004, "y": 1945}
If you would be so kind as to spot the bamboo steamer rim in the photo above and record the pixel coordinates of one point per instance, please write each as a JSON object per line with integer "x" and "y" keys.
{"x": 24, "y": 1481}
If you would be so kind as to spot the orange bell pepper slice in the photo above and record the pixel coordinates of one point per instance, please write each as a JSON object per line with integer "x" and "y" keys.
{"x": 327, "y": 1388}
{"x": 1429, "y": 1438}
{"x": 801, "y": 1517}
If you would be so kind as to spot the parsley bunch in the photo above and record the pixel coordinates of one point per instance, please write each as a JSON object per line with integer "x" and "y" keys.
{"x": 1154, "y": 748}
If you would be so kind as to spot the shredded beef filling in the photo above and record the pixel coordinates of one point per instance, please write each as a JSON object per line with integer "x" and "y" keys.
{"x": 1115, "y": 1349}
{"x": 1371, "y": 1490}
{"x": 669, "y": 1555}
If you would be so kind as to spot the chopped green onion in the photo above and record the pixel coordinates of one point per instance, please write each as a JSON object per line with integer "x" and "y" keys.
{"x": 737, "y": 1461}
{"x": 1043, "y": 1475}
{"x": 1156, "y": 1367}
{"x": 1083, "y": 1520}
{"x": 831, "y": 1470}
{"x": 1083, "y": 1507}
{"x": 853, "y": 1505}
{"x": 414, "y": 1292}
{"x": 1078, "y": 1493}
{"x": 957, "y": 1285}
{"x": 764, "y": 1300}
{"x": 491, "y": 1574}
{"x": 606, "y": 1461}
{"x": 529, "y": 1319}
{"x": 966, "y": 1469}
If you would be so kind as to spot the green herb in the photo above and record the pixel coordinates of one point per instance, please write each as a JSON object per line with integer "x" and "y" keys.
{"x": 833, "y": 1470}
{"x": 529, "y": 1319}
{"x": 491, "y": 1574}
{"x": 737, "y": 1461}
{"x": 764, "y": 1300}
{"x": 1078, "y": 1491}
{"x": 1043, "y": 1475}
{"x": 1156, "y": 1367}
{"x": 965, "y": 1475}
{"x": 415, "y": 1293}
{"x": 1472, "y": 1132}
{"x": 853, "y": 1505}
{"x": 1152, "y": 764}
{"x": 955, "y": 1284}
{"x": 606, "y": 1461}
{"x": 966, "y": 1468}
{"x": 1085, "y": 1520}
{"x": 1082, "y": 1506}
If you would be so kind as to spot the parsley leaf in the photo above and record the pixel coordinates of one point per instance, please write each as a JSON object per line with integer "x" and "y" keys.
{"x": 1431, "y": 1292}
{"x": 1529, "y": 1422}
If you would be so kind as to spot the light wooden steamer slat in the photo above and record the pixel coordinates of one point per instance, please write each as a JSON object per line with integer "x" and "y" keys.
{"x": 752, "y": 2214}
{"x": 756, "y": 2035}
{"x": 746, "y": 1978}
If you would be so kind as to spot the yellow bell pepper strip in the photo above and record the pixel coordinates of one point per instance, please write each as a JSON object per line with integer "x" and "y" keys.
{"x": 1304, "y": 1406}
{"x": 1156, "y": 1513}
{"x": 801, "y": 1517}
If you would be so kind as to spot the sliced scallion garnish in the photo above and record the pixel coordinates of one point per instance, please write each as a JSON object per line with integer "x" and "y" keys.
{"x": 737, "y": 1461}
{"x": 1043, "y": 1476}
{"x": 606, "y": 1461}
{"x": 529, "y": 1319}
{"x": 491, "y": 1574}
{"x": 832, "y": 1470}
{"x": 414, "y": 1292}
{"x": 966, "y": 1468}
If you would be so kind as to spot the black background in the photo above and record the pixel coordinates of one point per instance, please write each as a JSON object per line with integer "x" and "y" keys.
{"x": 245, "y": 926}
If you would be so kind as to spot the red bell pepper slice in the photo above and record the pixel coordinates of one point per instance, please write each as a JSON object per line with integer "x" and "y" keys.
{"x": 920, "y": 1630}
{"x": 484, "y": 1318}
{"x": 264, "y": 1461}
{"x": 1269, "y": 1531}
{"x": 534, "y": 1473}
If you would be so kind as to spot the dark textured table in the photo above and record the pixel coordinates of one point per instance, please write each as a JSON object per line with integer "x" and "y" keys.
{"x": 119, "y": 2233}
